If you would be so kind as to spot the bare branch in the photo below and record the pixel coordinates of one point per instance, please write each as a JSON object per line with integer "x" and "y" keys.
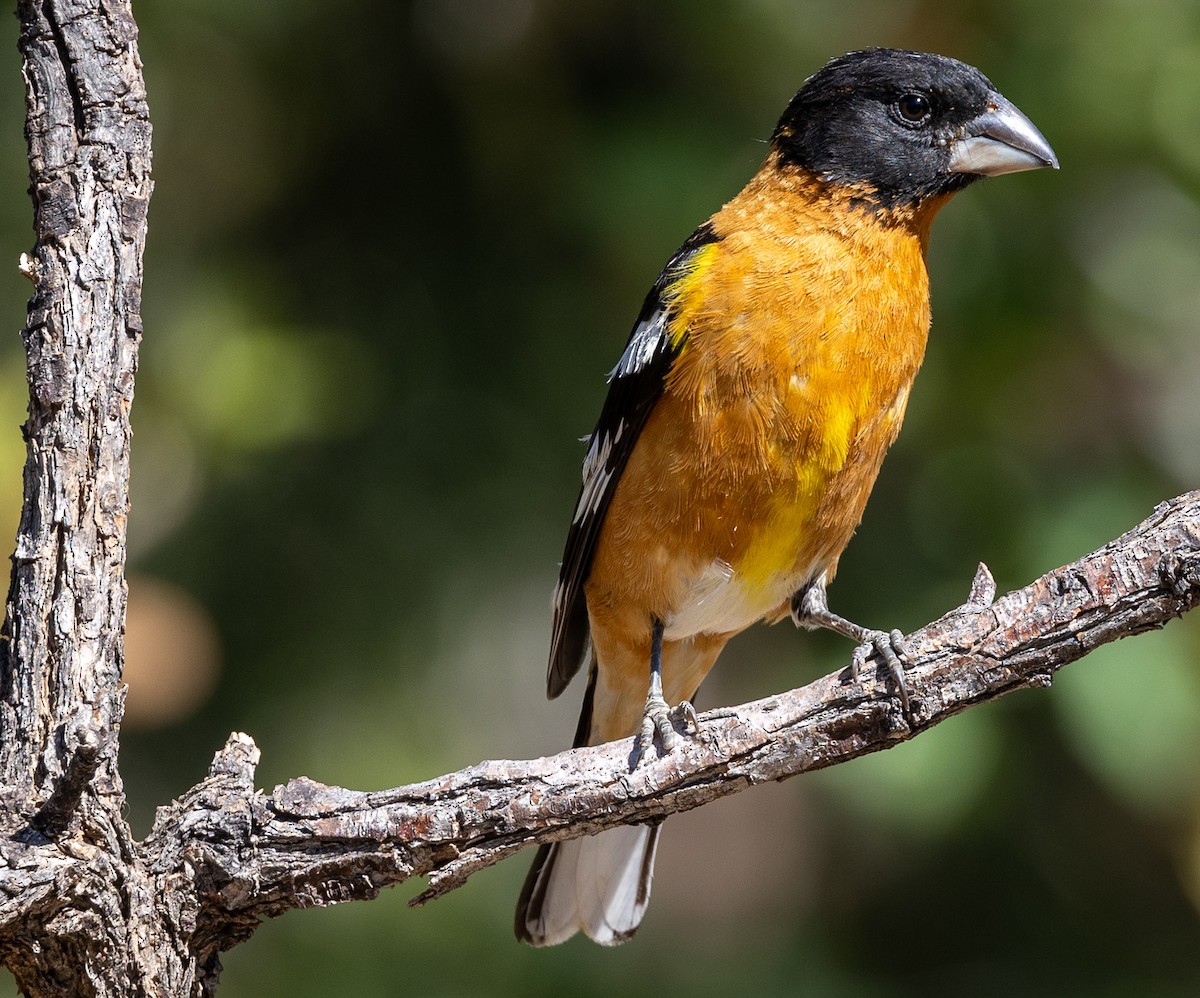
{"x": 309, "y": 844}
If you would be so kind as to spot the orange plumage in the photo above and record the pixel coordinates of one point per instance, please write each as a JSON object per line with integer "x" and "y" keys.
{"x": 764, "y": 445}
{"x": 747, "y": 420}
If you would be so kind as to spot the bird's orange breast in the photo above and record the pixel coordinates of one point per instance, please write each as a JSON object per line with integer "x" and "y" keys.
{"x": 803, "y": 328}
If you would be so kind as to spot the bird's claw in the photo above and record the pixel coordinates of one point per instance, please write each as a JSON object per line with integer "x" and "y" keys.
{"x": 892, "y": 650}
{"x": 660, "y": 719}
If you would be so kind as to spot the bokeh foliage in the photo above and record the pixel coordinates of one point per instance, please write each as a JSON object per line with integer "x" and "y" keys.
{"x": 395, "y": 246}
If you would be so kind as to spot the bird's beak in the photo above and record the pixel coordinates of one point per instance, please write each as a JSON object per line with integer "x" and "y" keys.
{"x": 1001, "y": 140}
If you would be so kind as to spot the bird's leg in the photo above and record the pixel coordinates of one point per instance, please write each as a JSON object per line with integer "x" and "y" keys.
{"x": 657, "y": 717}
{"x": 810, "y": 610}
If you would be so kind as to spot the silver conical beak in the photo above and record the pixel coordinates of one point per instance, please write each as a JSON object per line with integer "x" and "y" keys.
{"x": 1001, "y": 140}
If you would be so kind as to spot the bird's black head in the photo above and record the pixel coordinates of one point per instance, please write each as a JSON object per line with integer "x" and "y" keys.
{"x": 906, "y": 125}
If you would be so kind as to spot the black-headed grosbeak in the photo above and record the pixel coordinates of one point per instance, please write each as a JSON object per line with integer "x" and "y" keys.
{"x": 765, "y": 378}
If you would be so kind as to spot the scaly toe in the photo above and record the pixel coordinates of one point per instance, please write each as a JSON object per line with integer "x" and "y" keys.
{"x": 892, "y": 650}
{"x": 859, "y": 658}
{"x": 658, "y": 723}
{"x": 684, "y": 714}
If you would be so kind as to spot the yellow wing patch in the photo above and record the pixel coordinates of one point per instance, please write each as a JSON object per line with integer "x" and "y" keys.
{"x": 684, "y": 296}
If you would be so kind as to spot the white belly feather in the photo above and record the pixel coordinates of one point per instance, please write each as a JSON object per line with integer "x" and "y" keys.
{"x": 720, "y": 601}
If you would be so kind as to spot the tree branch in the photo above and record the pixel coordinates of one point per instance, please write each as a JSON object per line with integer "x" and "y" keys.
{"x": 308, "y": 844}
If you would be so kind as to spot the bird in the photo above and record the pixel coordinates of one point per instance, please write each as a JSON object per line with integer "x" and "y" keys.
{"x": 745, "y": 423}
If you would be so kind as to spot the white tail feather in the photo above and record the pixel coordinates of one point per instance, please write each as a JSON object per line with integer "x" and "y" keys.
{"x": 598, "y": 885}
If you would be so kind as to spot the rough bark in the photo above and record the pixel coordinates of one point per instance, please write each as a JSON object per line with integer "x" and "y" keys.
{"x": 86, "y": 910}
{"x": 67, "y": 905}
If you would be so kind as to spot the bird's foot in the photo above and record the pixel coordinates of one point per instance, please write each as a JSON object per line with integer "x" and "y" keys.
{"x": 810, "y": 609}
{"x": 891, "y": 649}
{"x": 660, "y": 719}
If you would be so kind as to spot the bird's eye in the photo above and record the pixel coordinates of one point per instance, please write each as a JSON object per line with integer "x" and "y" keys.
{"x": 914, "y": 108}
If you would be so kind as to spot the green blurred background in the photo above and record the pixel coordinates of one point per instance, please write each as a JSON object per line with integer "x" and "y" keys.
{"x": 394, "y": 248}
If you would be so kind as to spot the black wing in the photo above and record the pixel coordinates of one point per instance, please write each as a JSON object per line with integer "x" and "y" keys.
{"x": 634, "y": 386}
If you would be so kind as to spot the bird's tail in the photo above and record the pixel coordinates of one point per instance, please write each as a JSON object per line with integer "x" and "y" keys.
{"x": 598, "y": 885}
